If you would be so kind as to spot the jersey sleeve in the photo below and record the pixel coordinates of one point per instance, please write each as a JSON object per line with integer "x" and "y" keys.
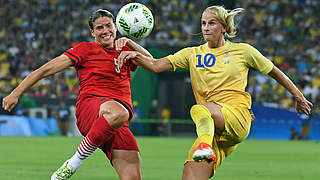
{"x": 256, "y": 60}
{"x": 133, "y": 67}
{"x": 77, "y": 53}
{"x": 180, "y": 59}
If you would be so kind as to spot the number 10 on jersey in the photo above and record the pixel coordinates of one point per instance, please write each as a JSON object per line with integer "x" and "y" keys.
{"x": 207, "y": 60}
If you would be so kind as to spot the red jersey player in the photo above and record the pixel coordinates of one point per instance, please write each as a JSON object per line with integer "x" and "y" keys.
{"x": 104, "y": 102}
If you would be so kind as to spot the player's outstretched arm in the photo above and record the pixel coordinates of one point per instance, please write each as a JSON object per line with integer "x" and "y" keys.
{"x": 149, "y": 63}
{"x": 55, "y": 65}
{"x": 302, "y": 104}
{"x": 121, "y": 42}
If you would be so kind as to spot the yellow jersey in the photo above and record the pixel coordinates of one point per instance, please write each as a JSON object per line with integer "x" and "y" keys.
{"x": 220, "y": 74}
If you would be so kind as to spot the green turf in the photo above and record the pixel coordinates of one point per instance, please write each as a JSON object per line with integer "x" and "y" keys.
{"x": 35, "y": 158}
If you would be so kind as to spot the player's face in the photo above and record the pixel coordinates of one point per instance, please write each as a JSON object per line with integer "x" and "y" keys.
{"x": 104, "y": 31}
{"x": 212, "y": 29}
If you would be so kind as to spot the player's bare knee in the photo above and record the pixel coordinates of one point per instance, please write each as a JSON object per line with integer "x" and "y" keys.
{"x": 216, "y": 114}
{"x": 115, "y": 119}
{"x": 122, "y": 118}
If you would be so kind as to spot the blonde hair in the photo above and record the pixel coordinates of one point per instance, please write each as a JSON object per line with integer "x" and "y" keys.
{"x": 225, "y": 17}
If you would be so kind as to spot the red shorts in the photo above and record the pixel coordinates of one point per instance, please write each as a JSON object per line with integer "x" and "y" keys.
{"x": 88, "y": 111}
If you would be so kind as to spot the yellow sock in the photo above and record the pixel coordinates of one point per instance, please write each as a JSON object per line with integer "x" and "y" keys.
{"x": 201, "y": 116}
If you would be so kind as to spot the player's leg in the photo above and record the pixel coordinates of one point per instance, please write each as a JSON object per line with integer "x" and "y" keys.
{"x": 237, "y": 122}
{"x": 123, "y": 153}
{"x": 207, "y": 118}
{"x": 197, "y": 170}
{"x": 60, "y": 127}
{"x": 112, "y": 115}
{"x": 127, "y": 163}
{"x": 64, "y": 128}
{"x": 203, "y": 169}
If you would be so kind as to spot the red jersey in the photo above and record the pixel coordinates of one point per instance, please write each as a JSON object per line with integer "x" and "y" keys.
{"x": 99, "y": 72}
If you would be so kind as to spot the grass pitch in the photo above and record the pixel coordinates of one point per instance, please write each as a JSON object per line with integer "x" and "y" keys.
{"x": 35, "y": 158}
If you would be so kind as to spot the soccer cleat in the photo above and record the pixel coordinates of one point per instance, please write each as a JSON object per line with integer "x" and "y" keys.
{"x": 64, "y": 172}
{"x": 204, "y": 152}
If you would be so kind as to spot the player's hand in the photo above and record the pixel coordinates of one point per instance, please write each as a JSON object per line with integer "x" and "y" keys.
{"x": 121, "y": 42}
{"x": 303, "y": 105}
{"x": 9, "y": 102}
{"x": 127, "y": 55}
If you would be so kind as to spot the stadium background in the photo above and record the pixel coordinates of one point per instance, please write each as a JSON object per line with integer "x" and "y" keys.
{"x": 288, "y": 32}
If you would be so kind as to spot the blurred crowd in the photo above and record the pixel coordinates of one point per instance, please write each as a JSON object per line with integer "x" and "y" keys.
{"x": 288, "y": 32}
{"x": 33, "y": 32}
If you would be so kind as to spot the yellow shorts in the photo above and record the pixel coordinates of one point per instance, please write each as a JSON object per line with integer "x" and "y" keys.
{"x": 237, "y": 126}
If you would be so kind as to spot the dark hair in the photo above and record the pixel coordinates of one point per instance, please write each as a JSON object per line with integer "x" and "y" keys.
{"x": 97, "y": 14}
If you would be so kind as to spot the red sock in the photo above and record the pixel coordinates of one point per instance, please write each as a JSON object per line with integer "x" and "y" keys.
{"x": 101, "y": 131}
{"x": 85, "y": 149}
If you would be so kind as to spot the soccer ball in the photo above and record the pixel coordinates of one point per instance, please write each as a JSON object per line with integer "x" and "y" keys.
{"x": 135, "y": 21}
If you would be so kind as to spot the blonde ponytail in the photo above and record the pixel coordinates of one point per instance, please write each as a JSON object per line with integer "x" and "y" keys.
{"x": 225, "y": 17}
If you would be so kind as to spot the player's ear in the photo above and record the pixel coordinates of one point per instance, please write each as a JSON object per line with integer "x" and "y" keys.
{"x": 224, "y": 30}
{"x": 115, "y": 26}
{"x": 92, "y": 32}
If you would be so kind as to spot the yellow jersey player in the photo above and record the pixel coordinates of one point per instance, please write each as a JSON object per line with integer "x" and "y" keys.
{"x": 218, "y": 72}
